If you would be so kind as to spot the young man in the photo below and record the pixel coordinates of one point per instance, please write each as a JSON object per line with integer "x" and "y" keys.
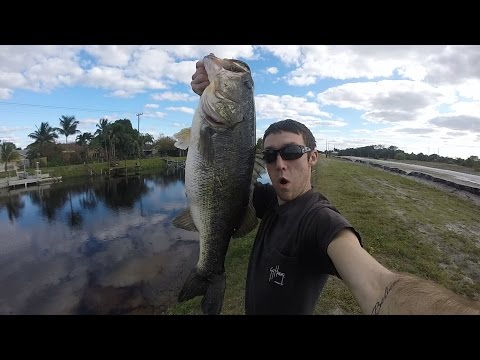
{"x": 302, "y": 239}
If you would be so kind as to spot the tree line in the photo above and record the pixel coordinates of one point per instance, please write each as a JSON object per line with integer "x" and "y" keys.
{"x": 392, "y": 152}
{"x": 111, "y": 141}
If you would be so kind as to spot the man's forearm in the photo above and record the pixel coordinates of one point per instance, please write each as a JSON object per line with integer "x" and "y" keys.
{"x": 408, "y": 294}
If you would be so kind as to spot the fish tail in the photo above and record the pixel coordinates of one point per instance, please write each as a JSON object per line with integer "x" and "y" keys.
{"x": 212, "y": 302}
{"x": 211, "y": 287}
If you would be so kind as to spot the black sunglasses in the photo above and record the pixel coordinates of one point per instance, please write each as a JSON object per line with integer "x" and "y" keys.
{"x": 289, "y": 152}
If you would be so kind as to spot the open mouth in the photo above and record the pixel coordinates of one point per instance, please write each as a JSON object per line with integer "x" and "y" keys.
{"x": 283, "y": 181}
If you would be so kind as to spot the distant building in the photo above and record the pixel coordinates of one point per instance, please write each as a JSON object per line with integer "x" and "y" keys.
{"x": 17, "y": 164}
{"x": 23, "y": 158}
{"x": 149, "y": 152}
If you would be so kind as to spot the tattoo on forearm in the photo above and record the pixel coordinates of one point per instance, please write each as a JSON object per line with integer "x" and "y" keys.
{"x": 378, "y": 305}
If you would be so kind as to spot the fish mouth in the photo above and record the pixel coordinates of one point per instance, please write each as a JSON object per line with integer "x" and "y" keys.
{"x": 232, "y": 65}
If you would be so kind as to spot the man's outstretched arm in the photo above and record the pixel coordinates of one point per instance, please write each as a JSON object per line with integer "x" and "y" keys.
{"x": 381, "y": 291}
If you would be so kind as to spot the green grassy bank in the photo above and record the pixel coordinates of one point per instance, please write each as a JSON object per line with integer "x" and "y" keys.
{"x": 69, "y": 171}
{"x": 406, "y": 225}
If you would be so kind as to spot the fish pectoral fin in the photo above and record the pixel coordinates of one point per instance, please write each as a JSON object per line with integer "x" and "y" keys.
{"x": 184, "y": 221}
{"x": 258, "y": 167}
{"x": 183, "y": 139}
{"x": 205, "y": 144}
{"x": 249, "y": 222}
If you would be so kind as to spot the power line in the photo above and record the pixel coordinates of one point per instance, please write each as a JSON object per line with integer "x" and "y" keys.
{"x": 62, "y": 107}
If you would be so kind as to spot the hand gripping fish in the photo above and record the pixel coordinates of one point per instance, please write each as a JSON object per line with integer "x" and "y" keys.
{"x": 219, "y": 175}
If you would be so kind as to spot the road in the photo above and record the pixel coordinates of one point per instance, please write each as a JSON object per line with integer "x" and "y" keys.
{"x": 449, "y": 175}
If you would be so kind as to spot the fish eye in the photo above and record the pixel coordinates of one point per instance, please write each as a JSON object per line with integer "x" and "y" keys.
{"x": 248, "y": 84}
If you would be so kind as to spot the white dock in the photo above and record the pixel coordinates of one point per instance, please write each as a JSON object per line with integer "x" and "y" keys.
{"x": 22, "y": 179}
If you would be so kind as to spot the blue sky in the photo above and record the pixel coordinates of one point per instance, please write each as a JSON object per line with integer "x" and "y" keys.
{"x": 418, "y": 98}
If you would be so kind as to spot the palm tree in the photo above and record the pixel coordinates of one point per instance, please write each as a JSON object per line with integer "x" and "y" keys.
{"x": 8, "y": 153}
{"x": 102, "y": 129}
{"x": 68, "y": 126}
{"x": 146, "y": 139}
{"x": 45, "y": 134}
{"x": 84, "y": 139}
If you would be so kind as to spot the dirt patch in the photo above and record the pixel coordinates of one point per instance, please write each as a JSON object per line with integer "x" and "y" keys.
{"x": 457, "y": 192}
{"x": 457, "y": 262}
{"x": 464, "y": 230}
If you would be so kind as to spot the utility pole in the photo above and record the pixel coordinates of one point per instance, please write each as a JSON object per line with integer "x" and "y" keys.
{"x": 138, "y": 130}
{"x": 138, "y": 122}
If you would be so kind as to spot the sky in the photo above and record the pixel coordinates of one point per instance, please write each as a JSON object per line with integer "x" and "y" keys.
{"x": 419, "y": 98}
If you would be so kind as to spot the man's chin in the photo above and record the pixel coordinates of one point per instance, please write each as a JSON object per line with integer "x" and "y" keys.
{"x": 284, "y": 196}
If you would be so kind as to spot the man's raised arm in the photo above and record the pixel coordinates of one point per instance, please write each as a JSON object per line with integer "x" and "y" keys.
{"x": 381, "y": 291}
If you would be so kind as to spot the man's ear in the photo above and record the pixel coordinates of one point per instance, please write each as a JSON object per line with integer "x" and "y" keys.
{"x": 312, "y": 160}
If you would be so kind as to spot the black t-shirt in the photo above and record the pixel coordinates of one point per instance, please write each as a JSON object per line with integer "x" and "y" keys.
{"x": 289, "y": 264}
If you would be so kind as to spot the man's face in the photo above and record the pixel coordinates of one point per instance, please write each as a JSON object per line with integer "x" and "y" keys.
{"x": 290, "y": 178}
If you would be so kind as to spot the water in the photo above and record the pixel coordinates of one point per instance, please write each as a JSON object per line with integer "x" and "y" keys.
{"x": 94, "y": 246}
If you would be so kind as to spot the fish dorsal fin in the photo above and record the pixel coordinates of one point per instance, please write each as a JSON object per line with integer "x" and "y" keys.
{"x": 183, "y": 139}
{"x": 250, "y": 218}
{"x": 184, "y": 221}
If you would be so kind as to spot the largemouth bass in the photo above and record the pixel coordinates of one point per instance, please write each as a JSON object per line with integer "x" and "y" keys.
{"x": 218, "y": 175}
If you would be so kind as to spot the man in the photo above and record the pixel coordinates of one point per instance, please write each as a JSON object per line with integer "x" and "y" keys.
{"x": 302, "y": 239}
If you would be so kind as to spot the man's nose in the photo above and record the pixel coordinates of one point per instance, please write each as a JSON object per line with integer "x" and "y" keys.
{"x": 279, "y": 162}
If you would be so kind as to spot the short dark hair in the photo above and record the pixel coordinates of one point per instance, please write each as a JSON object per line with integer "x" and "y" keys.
{"x": 292, "y": 126}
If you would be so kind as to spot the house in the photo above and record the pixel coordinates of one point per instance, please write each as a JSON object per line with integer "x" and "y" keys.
{"x": 17, "y": 164}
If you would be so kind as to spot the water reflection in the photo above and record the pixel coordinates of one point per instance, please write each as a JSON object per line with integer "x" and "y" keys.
{"x": 96, "y": 246}
{"x": 13, "y": 205}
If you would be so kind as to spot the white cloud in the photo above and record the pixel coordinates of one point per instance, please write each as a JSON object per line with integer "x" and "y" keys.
{"x": 286, "y": 106}
{"x": 458, "y": 122}
{"x": 436, "y": 64}
{"x": 126, "y": 93}
{"x": 174, "y": 96}
{"x": 181, "y": 109}
{"x": 454, "y": 65}
{"x": 111, "y": 55}
{"x": 416, "y": 130}
{"x": 155, "y": 114}
{"x": 5, "y": 93}
{"x": 469, "y": 89}
{"x": 12, "y": 79}
{"x": 199, "y": 51}
{"x": 152, "y": 106}
{"x": 272, "y": 70}
{"x": 180, "y": 125}
{"x": 466, "y": 108}
{"x": 113, "y": 78}
{"x": 89, "y": 121}
{"x": 389, "y": 100}
{"x": 289, "y": 54}
{"x": 181, "y": 71}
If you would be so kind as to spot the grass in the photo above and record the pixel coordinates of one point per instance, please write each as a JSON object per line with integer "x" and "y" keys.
{"x": 69, "y": 171}
{"x": 406, "y": 225}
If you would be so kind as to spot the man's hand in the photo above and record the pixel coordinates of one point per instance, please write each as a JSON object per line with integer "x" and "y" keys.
{"x": 200, "y": 78}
